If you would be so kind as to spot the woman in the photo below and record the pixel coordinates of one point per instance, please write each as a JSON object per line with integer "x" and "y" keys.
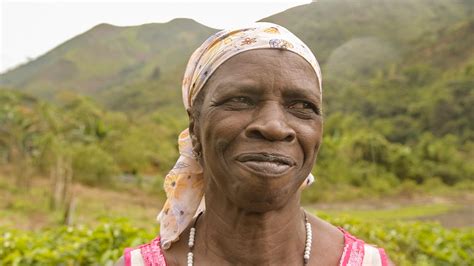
{"x": 254, "y": 98}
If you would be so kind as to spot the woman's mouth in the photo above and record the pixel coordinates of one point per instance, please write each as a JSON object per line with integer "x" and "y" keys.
{"x": 268, "y": 164}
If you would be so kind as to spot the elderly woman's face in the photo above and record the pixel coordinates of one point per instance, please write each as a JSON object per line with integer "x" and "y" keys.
{"x": 260, "y": 127}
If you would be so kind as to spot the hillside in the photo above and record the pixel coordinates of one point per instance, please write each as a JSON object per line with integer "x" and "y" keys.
{"x": 398, "y": 87}
{"x": 88, "y": 131}
{"x": 144, "y": 64}
{"x": 108, "y": 57}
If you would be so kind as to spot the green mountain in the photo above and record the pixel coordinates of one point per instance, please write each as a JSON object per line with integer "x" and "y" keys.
{"x": 398, "y": 80}
{"x": 140, "y": 67}
{"x": 108, "y": 59}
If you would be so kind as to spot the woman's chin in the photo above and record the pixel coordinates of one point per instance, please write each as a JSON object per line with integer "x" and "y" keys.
{"x": 258, "y": 201}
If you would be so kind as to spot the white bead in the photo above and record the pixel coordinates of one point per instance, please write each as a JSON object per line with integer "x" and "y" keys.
{"x": 306, "y": 257}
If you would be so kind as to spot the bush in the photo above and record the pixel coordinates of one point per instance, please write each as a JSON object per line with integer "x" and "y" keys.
{"x": 76, "y": 245}
{"x": 92, "y": 165}
{"x": 406, "y": 243}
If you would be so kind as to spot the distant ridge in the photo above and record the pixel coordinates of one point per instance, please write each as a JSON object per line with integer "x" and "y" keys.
{"x": 140, "y": 67}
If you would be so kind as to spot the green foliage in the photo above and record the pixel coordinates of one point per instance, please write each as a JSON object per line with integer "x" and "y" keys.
{"x": 92, "y": 165}
{"x": 407, "y": 243}
{"x": 100, "y": 145}
{"x": 414, "y": 243}
{"x": 74, "y": 245}
{"x": 395, "y": 213}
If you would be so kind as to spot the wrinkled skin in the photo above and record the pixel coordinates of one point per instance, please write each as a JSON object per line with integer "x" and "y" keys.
{"x": 260, "y": 105}
{"x": 259, "y": 130}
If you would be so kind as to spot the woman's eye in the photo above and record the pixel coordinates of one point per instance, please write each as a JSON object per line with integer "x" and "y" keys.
{"x": 240, "y": 100}
{"x": 304, "y": 107}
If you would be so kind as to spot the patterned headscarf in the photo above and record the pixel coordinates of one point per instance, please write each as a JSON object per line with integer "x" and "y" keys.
{"x": 184, "y": 185}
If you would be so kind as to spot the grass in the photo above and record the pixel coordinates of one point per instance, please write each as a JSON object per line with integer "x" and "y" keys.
{"x": 29, "y": 209}
{"x": 397, "y": 213}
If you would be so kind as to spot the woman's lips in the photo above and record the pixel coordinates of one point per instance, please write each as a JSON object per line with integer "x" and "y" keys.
{"x": 269, "y": 164}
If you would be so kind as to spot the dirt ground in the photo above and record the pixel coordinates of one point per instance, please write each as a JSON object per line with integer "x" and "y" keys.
{"x": 462, "y": 215}
{"x": 458, "y": 218}
{"x": 30, "y": 211}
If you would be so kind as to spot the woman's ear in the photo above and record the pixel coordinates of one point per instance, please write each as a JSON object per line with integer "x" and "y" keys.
{"x": 194, "y": 132}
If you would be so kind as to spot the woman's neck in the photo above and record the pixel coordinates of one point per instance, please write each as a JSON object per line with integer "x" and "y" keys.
{"x": 228, "y": 234}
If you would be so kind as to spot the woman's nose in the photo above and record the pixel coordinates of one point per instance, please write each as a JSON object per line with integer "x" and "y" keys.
{"x": 270, "y": 123}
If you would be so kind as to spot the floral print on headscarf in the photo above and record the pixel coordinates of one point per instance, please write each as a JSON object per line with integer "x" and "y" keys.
{"x": 184, "y": 185}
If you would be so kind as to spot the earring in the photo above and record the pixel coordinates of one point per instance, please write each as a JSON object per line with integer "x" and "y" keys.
{"x": 196, "y": 154}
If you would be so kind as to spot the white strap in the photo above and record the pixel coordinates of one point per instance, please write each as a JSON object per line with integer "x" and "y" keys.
{"x": 371, "y": 256}
{"x": 136, "y": 258}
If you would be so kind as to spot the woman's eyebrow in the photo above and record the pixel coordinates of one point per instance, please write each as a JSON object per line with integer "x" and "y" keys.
{"x": 232, "y": 87}
{"x": 300, "y": 93}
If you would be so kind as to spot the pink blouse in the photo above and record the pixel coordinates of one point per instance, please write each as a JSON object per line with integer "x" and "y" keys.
{"x": 356, "y": 253}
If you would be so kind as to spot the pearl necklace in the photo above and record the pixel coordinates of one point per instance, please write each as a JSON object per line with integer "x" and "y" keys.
{"x": 307, "y": 248}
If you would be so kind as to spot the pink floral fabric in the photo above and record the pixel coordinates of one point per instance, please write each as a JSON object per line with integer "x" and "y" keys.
{"x": 149, "y": 254}
{"x": 152, "y": 255}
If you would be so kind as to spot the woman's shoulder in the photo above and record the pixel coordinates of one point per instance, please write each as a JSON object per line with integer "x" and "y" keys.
{"x": 327, "y": 239}
{"x": 146, "y": 254}
{"x": 338, "y": 247}
{"x": 350, "y": 249}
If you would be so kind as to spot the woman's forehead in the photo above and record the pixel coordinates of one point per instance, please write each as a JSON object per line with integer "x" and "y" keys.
{"x": 265, "y": 67}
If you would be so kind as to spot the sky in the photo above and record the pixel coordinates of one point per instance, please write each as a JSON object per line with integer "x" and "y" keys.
{"x": 30, "y": 28}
